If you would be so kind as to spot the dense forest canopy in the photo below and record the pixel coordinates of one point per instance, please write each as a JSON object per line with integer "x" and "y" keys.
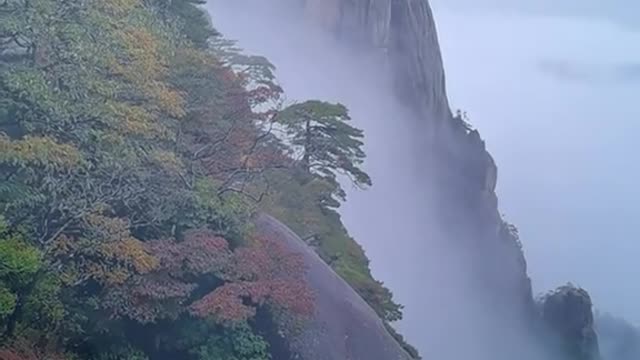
{"x": 136, "y": 143}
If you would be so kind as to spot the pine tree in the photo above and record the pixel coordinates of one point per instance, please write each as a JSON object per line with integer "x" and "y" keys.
{"x": 327, "y": 145}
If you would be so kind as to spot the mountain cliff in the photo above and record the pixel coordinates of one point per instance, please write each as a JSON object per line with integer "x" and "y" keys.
{"x": 481, "y": 292}
{"x": 137, "y": 145}
{"x": 459, "y": 175}
{"x": 405, "y": 32}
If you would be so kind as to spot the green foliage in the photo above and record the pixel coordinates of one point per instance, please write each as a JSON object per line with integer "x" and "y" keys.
{"x": 19, "y": 262}
{"x": 21, "y": 279}
{"x": 196, "y": 24}
{"x": 43, "y": 307}
{"x": 230, "y": 215}
{"x": 99, "y": 154}
{"x": 122, "y": 352}
{"x": 206, "y": 340}
{"x": 328, "y": 145}
{"x": 135, "y": 145}
{"x": 7, "y": 301}
{"x": 412, "y": 351}
{"x": 303, "y": 202}
{"x": 238, "y": 343}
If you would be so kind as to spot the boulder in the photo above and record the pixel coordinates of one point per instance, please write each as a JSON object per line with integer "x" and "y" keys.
{"x": 344, "y": 326}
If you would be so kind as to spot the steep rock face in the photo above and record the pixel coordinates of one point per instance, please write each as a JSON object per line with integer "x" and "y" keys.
{"x": 459, "y": 174}
{"x": 343, "y": 326}
{"x": 404, "y": 31}
{"x": 568, "y": 313}
{"x": 472, "y": 297}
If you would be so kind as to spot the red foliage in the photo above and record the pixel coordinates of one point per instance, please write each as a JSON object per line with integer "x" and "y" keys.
{"x": 10, "y": 354}
{"x": 265, "y": 93}
{"x": 231, "y": 137}
{"x": 268, "y": 259}
{"x": 25, "y": 350}
{"x": 204, "y": 252}
{"x": 226, "y": 303}
{"x": 265, "y": 273}
{"x": 200, "y": 252}
{"x": 162, "y": 293}
{"x": 147, "y": 298}
{"x": 294, "y": 296}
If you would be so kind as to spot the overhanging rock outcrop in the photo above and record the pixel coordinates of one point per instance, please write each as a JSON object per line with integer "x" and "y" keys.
{"x": 343, "y": 326}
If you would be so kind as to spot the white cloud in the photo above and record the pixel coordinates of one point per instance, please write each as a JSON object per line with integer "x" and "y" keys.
{"x": 623, "y": 12}
{"x": 565, "y": 149}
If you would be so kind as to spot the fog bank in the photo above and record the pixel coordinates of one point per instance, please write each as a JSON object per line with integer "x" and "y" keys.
{"x": 564, "y": 144}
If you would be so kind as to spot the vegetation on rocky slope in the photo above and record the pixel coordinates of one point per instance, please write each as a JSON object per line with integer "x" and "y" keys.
{"x": 135, "y": 144}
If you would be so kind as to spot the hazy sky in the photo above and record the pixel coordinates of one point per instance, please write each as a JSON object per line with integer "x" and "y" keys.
{"x": 619, "y": 11}
{"x": 554, "y": 92}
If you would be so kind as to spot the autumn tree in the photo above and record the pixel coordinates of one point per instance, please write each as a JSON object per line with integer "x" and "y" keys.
{"x": 89, "y": 112}
{"x": 265, "y": 273}
{"x": 135, "y": 145}
{"x": 243, "y": 279}
{"x": 93, "y": 159}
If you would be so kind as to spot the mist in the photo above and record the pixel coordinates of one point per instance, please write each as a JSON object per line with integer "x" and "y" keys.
{"x": 620, "y": 12}
{"x": 163, "y": 196}
{"x": 554, "y": 95}
{"x": 391, "y": 220}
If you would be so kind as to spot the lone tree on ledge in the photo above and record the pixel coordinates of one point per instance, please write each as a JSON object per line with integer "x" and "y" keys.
{"x": 328, "y": 146}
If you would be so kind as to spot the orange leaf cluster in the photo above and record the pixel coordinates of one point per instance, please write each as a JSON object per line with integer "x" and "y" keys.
{"x": 38, "y": 151}
{"x": 148, "y": 298}
{"x": 265, "y": 273}
{"x": 200, "y": 252}
{"x": 106, "y": 253}
{"x": 163, "y": 292}
{"x": 146, "y": 67}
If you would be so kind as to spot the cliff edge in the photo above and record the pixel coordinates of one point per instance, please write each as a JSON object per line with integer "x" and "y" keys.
{"x": 459, "y": 174}
{"x": 343, "y": 325}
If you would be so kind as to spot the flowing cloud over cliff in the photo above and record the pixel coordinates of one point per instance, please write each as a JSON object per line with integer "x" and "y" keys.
{"x": 595, "y": 74}
{"x": 556, "y": 99}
